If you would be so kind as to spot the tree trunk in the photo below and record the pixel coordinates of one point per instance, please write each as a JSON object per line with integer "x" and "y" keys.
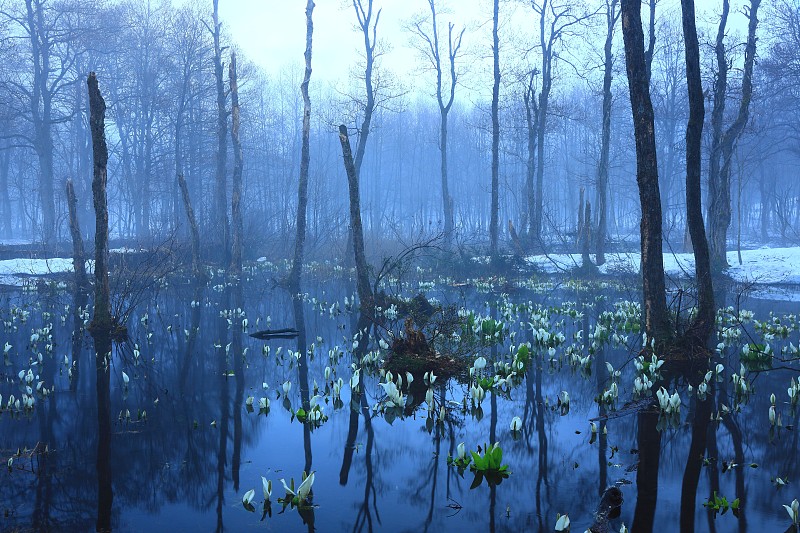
{"x": 362, "y": 277}
{"x": 605, "y": 143}
{"x": 579, "y": 225}
{"x": 5, "y": 198}
{"x": 720, "y": 210}
{"x": 236, "y": 193}
{"x": 729, "y": 142}
{"x": 102, "y": 320}
{"x": 656, "y": 315}
{"x": 78, "y": 255}
{"x": 305, "y": 158}
{"x": 369, "y": 31}
{"x": 447, "y": 200}
{"x": 495, "y": 207}
{"x": 195, "y": 232}
{"x": 531, "y": 121}
{"x": 704, "y": 322}
{"x": 716, "y": 193}
{"x": 586, "y": 240}
{"x": 221, "y": 193}
{"x": 41, "y": 114}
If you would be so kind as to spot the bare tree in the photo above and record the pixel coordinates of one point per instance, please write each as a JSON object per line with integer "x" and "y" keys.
{"x": 52, "y": 48}
{"x": 556, "y": 20}
{"x": 704, "y": 322}
{"x": 78, "y": 255}
{"x": 369, "y": 28}
{"x": 220, "y": 193}
{"x": 495, "y": 207}
{"x": 362, "y": 276}
{"x": 102, "y": 320}
{"x": 724, "y": 145}
{"x": 532, "y": 127}
{"x": 195, "y": 232}
{"x": 431, "y": 51}
{"x": 612, "y": 15}
{"x": 305, "y": 158}
{"x": 656, "y": 315}
{"x": 236, "y": 192}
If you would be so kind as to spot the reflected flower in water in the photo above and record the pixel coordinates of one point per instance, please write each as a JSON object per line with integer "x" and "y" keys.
{"x": 516, "y": 424}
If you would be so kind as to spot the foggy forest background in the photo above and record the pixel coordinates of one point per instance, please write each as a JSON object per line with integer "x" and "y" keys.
{"x": 156, "y": 64}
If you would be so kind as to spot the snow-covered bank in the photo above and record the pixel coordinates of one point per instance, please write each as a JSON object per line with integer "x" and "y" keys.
{"x": 763, "y": 265}
{"x": 15, "y": 271}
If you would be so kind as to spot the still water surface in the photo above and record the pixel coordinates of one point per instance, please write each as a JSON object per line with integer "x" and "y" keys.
{"x": 176, "y": 447}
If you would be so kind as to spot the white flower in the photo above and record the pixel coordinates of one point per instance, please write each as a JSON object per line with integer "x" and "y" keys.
{"x": 516, "y": 424}
{"x": 794, "y": 511}
{"x": 772, "y": 415}
{"x": 263, "y": 403}
{"x": 480, "y": 363}
{"x": 675, "y": 402}
{"x": 477, "y": 393}
{"x": 248, "y": 497}
{"x": 461, "y": 451}
{"x": 125, "y": 378}
{"x": 249, "y": 401}
{"x": 303, "y": 490}
{"x": 393, "y": 395}
{"x": 287, "y": 386}
{"x": 267, "y": 486}
{"x": 562, "y": 522}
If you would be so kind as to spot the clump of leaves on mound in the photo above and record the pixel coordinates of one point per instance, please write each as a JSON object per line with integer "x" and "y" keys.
{"x": 412, "y": 352}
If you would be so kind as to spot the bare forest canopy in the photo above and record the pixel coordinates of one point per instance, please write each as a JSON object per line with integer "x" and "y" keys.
{"x": 155, "y": 62}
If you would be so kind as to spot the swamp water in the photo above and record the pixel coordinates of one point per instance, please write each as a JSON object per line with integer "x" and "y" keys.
{"x": 169, "y": 432}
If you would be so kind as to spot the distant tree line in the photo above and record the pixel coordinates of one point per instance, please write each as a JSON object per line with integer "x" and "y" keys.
{"x": 424, "y": 159}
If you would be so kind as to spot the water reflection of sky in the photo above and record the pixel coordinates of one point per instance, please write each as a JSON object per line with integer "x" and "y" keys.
{"x": 175, "y": 472}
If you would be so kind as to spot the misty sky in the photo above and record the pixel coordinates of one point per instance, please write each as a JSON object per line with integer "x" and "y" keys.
{"x": 272, "y": 34}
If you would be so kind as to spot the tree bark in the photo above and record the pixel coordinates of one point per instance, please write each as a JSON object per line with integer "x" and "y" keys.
{"x": 221, "y": 193}
{"x": 715, "y": 187}
{"x": 495, "y": 206}
{"x": 41, "y": 106}
{"x": 78, "y": 255}
{"x": 362, "y": 277}
{"x": 195, "y": 232}
{"x": 369, "y": 30}
{"x": 656, "y": 315}
{"x": 236, "y": 182}
{"x": 602, "y": 173}
{"x": 305, "y": 158}
{"x": 102, "y": 320}
{"x": 704, "y": 322}
{"x": 586, "y": 261}
{"x": 531, "y": 121}
{"x": 5, "y": 198}
{"x": 721, "y": 205}
{"x": 434, "y": 55}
